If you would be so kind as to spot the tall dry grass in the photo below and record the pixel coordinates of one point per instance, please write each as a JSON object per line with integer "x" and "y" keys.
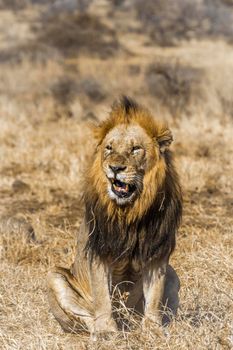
{"x": 45, "y": 107}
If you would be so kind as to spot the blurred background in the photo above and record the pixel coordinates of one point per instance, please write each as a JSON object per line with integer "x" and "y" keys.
{"x": 62, "y": 64}
{"x": 75, "y": 56}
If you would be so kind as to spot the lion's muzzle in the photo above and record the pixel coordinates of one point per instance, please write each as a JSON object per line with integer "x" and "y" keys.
{"x": 122, "y": 186}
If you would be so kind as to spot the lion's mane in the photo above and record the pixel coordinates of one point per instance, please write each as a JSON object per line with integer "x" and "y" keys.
{"x": 146, "y": 229}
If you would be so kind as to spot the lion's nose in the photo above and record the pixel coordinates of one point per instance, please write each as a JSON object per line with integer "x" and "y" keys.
{"x": 117, "y": 168}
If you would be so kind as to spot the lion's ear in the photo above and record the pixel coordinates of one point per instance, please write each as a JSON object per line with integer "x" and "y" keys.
{"x": 164, "y": 139}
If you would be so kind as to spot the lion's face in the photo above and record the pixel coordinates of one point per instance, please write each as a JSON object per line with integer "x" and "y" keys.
{"x": 127, "y": 154}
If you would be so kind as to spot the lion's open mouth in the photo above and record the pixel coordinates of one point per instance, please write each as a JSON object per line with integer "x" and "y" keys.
{"x": 122, "y": 189}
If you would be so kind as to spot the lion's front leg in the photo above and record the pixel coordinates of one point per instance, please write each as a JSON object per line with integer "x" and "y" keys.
{"x": 100, "y": 274}
{"x": 153, "y": 289}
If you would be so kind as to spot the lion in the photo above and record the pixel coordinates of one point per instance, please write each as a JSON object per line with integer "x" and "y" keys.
{"x": 133, "y": 207}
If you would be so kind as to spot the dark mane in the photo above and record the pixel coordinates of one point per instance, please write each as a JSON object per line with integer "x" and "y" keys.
{"x": 128, "y": 104}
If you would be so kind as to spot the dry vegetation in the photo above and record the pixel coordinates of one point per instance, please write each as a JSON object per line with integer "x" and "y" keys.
{"x": 59, "y": 71}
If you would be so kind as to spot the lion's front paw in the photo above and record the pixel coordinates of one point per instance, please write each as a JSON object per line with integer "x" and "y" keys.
{"x": 103, "y": 324}
{"x": 104, "y": 327}
{"x": 153, "y": 324}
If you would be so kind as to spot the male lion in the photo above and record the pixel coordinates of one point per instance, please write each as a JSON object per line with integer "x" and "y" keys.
{"x": 133, "y": 207}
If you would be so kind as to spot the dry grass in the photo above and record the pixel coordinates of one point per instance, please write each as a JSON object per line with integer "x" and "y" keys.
{"x": 44, "y": 144}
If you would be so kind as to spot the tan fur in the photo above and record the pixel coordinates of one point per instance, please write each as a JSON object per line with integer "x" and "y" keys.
{"x": 154, "y": 177}
{"x": 82, "y": 296}
{"x": 157, "y": 131}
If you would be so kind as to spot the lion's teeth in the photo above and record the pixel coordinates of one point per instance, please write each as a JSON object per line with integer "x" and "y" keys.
{"x": 123, "y": 188}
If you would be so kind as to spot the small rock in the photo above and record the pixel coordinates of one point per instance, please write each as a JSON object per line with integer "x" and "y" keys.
{"x": 20, "y": 186}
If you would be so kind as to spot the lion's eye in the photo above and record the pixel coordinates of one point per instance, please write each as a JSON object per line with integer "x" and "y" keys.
{"x": 108, "y": 147}
{"x": 136, "y": 149}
